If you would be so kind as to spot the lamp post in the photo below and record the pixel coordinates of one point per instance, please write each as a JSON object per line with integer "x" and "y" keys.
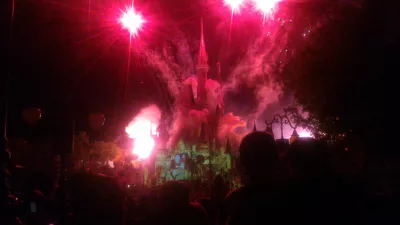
{"x": 282, "y": 120}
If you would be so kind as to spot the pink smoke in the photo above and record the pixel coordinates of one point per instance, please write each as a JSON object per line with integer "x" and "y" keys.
{"x": 257, "y": 70}
{"x": 188, "y": 121}
{"x": 227, "y": 128}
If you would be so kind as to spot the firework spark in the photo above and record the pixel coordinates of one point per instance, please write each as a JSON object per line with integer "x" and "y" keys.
{"x": 132, "y": 21}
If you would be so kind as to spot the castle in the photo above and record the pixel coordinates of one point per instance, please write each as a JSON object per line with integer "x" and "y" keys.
{"x": 198, "y": 153}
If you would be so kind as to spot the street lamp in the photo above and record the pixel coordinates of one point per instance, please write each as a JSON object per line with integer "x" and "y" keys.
{"x": 284, "y": 119}
{"x": 281, "y": 120}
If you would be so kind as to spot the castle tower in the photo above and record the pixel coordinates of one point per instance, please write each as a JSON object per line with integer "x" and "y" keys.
{"x": 218, "y": 115}
{"x": 203, "y": 138}
{"x": 254, "y": 128}
{"x": 191, "y": 95}
{"x": 269, "y": 130}
{"x": 219, "y": 72}
{"x": 202, "y": 68}
{"x": 228, "y": 156}
{"x": 228, "y": 146}
{"x": 293, "y": 137}
{"x": 202, "y": 143}
{"x": 162, "y": 134}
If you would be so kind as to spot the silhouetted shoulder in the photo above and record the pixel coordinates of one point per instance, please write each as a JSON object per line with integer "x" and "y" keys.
{"x": 256, "y": 205}
{"x": 198, "y": 209}
{"x": 234, "y": 196}
{"x": 199, "y": 214}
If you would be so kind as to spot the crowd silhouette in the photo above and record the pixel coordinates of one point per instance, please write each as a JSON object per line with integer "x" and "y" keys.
{"x": 307, "y": 182}
{"x": 311, "y": 184}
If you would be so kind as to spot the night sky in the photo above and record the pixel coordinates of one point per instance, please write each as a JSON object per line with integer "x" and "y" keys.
{"x": 70, "y": 66}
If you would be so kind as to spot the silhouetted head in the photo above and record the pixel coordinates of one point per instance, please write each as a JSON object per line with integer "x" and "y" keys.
{"x": 218, "y": 179}
{"x": 174, "y": 192}
{"x": 309, "y": 157}
{"x": 258, "y": 153}
{"x": 95, "y": 198}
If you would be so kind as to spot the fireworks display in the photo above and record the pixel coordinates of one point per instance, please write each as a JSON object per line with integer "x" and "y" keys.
{"x": 252, "y": 69}
{"x": 250, "y": 54}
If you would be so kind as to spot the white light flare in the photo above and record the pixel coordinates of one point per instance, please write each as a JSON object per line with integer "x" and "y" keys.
{"x": 266, "y": 7}
{"x": 234, "y": 4}
{"x": 143, "y": 129}
{"x": 132, "y": 21}
{"x": 305, "y": 133}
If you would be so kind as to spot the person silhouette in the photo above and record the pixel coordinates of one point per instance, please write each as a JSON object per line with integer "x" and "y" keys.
{"x": 174, "y": 207}
{"x": 261, "y": 199}
{"x": 321, "y": 196}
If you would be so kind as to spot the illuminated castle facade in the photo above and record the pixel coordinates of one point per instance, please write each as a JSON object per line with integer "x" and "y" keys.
{"x": 198, "y": 154}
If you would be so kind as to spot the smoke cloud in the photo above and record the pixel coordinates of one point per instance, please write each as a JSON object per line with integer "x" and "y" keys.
{"x": 258, "y": 69}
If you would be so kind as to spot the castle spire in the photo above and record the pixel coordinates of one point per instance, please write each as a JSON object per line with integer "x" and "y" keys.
{"x": 216, "y": 126}
{"x": 203, "y": 133}
{"x": 228, "y": 146}
{"x": 219, "y": 72}
{"x": 268, "y": 129}
{"x": 203, "y": 58}
{"x": 218, "y": 115}
{"x": 202, "y": 67}
{"x": 192, "y": 100}
{"x": 254, "y": 127}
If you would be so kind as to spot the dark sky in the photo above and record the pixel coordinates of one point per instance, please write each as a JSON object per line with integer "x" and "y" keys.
{"x": 63, "y": 63}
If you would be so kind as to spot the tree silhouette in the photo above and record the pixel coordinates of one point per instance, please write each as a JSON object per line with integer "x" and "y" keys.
{"x": 336, "y": 76}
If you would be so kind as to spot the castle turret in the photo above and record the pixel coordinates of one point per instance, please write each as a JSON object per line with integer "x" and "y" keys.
{"x": 293, "y": 137}
{"x": 219, "y": 72}
{"x": 269, "y": 130}
{"x": 203, "y": 138}
{"x": 228, "y": 156}
{"x": 228, "y": 148}
{"x": 162, "y": 133}
{"x": 218, "y": 115}
{"x": 191, "y": 95}
{"x": 202, "y": 68}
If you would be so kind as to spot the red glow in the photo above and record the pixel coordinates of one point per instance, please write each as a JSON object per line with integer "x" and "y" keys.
{"x": 132, "y": 21}
{"x": 234, "y": 4}
{"x": 266, "y": 6}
